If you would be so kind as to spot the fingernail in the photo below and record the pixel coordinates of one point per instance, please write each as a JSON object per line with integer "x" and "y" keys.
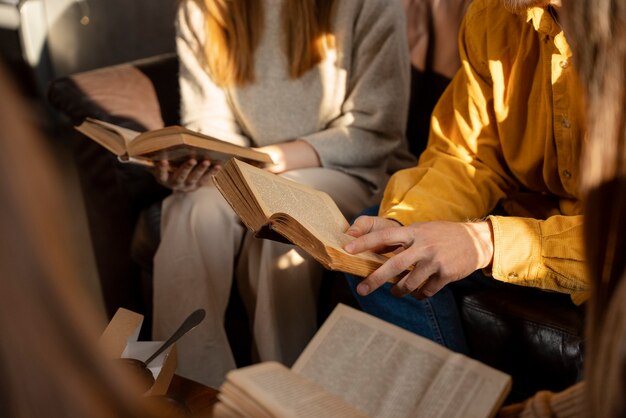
{"x": 363, "y": 289}
{"x": 349, "y": 247}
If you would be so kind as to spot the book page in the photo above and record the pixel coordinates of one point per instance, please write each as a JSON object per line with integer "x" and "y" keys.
{"x": 284, "y": 394}
{"x": 313, "y": 209}
{"x": 177, "y": 141}
{"x": 114, "y": 140}
{"x": 240, "y": 402}
{"x": 388, "y": 372}
{"x": 169, "y": 143}
{"x": 464, "y": 389}
{"x": 127, "y": 134}
{"x": 222, "y": 410}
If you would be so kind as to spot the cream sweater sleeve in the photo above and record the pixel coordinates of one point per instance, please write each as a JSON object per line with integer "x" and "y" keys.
{"x": 571, "y": 403}
{"x": 204, "y": 106}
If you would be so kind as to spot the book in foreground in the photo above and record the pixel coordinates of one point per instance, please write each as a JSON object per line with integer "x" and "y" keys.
{"x": 357, "y": 365}
{"x": 172, "y": 143}
{"x": 281, "y": 209}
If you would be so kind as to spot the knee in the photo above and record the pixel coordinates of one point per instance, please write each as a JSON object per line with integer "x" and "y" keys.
{"x": 202, "y": 208}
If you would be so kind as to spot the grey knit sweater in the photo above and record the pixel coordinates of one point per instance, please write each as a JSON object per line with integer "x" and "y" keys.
{"x": 351, "y": 108}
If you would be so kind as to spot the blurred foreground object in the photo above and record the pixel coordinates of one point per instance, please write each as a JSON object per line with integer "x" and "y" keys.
{"x": 48, "y": 356}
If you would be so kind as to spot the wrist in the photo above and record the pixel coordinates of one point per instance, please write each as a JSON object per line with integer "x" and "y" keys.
{"x": 278, "y": 158}
{"x": 483, "y": 233}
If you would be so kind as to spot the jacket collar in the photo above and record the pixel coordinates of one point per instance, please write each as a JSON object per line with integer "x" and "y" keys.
{"x": 542, "y": 21}
{"x": 549, "y": 29}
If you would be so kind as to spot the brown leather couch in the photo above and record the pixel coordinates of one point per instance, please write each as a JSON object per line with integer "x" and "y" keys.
{"x": 535, "y": 336}
{"x": 122, "y": 200}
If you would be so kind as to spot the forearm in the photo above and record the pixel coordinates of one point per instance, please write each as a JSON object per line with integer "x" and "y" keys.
{"x": 354, "y": 147}
{"x": 441, "y": 189}
{"x": 460, "y": 175}
{"x": 291, "y": 155}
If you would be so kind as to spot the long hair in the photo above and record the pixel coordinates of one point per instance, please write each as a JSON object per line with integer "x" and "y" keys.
{"x": 234, "y": 29}
{"x": 49, "y": 364}
{"x": 596, "y": 30}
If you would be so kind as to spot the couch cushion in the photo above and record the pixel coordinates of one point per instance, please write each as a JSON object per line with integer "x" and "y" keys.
{"x": 115, "y": 193}
{"x": 120, "y": 94}
{"x": 535, "y": 336}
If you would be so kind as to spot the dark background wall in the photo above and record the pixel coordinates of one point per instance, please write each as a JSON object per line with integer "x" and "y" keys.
{"x": 45, "y": 39}
{"x": 118, "y": 31}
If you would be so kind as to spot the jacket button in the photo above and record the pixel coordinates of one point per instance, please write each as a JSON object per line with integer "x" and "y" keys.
{"x": 564, "y": 64}
{"x": 567, "y": 174}
{"x": 565, "y": 122}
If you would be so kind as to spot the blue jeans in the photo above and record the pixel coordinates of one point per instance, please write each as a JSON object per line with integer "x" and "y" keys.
{"x": 436, "y": 318}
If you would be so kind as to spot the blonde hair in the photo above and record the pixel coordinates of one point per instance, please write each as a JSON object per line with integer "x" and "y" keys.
{"x": 596, "y": 30}
{"x": 234, "y": 29}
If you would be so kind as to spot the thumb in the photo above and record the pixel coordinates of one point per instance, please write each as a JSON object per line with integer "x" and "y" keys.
{"x": 363, "y": 225}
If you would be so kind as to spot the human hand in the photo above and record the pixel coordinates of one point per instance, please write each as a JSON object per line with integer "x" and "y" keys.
{"x": 439, "y": 252}
{"x": 511, "y": 411}
{"x": 186, "y": 177}
{"x": 278, "y": 157}
{"x": 366, "y": 224}
{"x": 291, "y": 155}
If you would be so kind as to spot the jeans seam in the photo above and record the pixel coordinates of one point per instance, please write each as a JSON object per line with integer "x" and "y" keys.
{"x": 435, "y": 324}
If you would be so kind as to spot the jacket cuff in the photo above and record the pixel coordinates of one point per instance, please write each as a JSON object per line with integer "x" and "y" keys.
{"x": 516, "y": 250}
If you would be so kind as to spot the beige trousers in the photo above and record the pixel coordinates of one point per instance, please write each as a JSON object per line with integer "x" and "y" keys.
{"x": 204, "y": 246}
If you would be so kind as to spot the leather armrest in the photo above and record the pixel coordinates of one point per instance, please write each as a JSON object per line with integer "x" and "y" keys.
{"x": 535, "y": 336}
{"x": 135, "y": 95}
{"x": 130, "y": 94}
{"x": 120, "y": 94}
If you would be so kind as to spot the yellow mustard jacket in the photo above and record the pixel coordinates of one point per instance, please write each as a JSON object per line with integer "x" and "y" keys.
{"x": 508, "y": 130}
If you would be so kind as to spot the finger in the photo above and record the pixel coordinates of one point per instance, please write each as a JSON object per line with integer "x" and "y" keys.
{"x": 207, "y": 178}
{"x": 511, "y": 411}
{"x": 392, "y": 268}
{"x": 433, "y": 285}
{"x": 180, "y": 175}
{"x": 215, "y": 168}
{"x": 197, "y": 173}
{"x": 397, "y": 266}
{"x": 363, "y": 225}
{"x": 379, "y": 240}
{"x": 414, "y": 281}
{"x": 163, "y": 171}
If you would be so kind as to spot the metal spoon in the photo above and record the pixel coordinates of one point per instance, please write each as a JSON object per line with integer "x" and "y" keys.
{"x": 139, "y": 369}
{"x": 188, "y": 324}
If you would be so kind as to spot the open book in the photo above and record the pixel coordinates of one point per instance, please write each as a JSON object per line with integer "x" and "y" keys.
{"x": 360, "y": 366}
{"x": 278, "y": 208}
{"x": 173, "y": 143}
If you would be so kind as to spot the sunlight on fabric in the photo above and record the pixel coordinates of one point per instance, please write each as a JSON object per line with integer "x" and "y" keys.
{"x": 291, "y": 259}
{"x": 333, "y": 77}
{"x": 328, "y": 43}
{"x": 404, "y": 207}
{"x": 33, "y": 30}
{"x": 499, "y": 89}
